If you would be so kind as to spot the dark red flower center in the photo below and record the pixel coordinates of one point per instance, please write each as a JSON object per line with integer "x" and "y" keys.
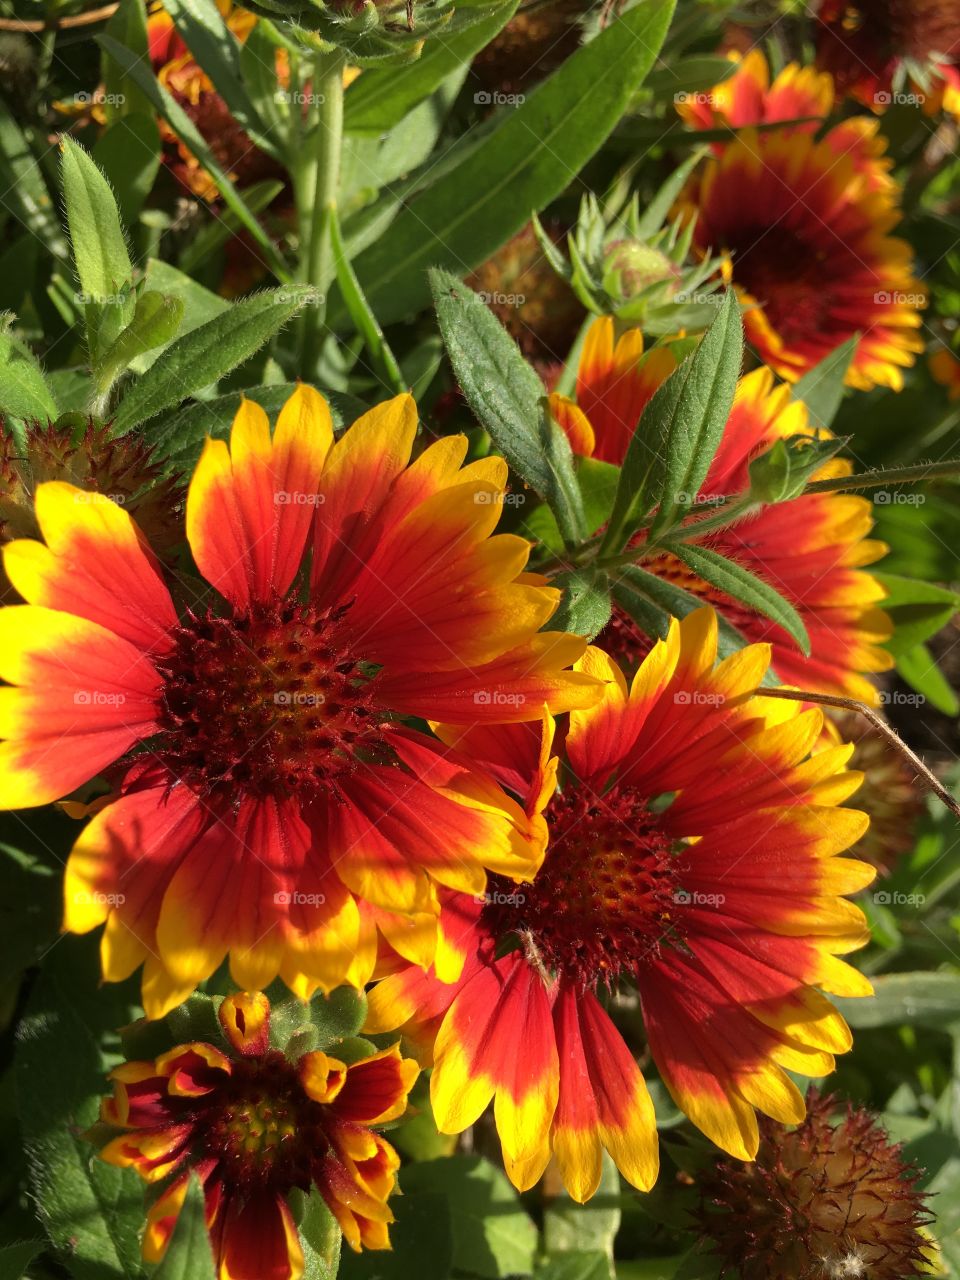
{"x": 794, "y": 279}
{"x": 261, "y": 1127}
{"x": 270, "y": 701}
{"x": 606, "y": 898}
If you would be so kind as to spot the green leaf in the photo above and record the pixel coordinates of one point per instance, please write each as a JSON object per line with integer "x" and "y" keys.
{"x": 781, "y": 472}
{"x": 521, "y": 165}
{"x": 23, "y": 391}
{"x": 180, "y": 436}
{"x": 199, "y": 304}
{"x": 92, "y": 1211}
{"x": 365, "y": 321}
{"x": 917, "y": 609}
{"x": 15, "y": 1258}
{"x": 189, "y": 1255}
{"x": 585, "y": 605}
{"x": 421, "y": 1243}
{"x": 103, "y": 265}
{"x": 911, "y": 999}
{"x": 155, "y": 322}
{"x": 735, "y": 581}
{"x": 178, "y": 120}
{"x": 670, "y": 452}
{"x": 652, "y": 601}
{"x": 128, "y": 27}
{"x": 216, "y": 50}
{"x": 201, "y": 358}
{"x": 702, "y": 71}
{"x": 919, "y": 668}
{"x": 508, "y": 399}
{"x": 29, "y": 912}
{"x": 592, "y": 1265}
{"x": 319, "y": 1233}
{"x": 493, "y": 1235}
{"x": 569, "y": 1227}
{"x": 378, "y": 99}
{"x": 821, "y": 389}
{"x": 128, "y": 151}
{"x": 25, "y": 190}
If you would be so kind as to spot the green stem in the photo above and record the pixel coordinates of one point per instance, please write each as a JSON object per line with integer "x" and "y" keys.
{"x": 893, "y": 475}
{"x": 319, "y": 187}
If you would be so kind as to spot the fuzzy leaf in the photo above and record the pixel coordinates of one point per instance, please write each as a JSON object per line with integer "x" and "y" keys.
{"x": 508, "y": 399}
{"x": 200, "y": 358}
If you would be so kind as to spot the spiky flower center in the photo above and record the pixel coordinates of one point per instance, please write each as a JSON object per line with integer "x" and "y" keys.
{"x": 271, "y": 701}
{"x": 823, "y": 1201}
{"x": 261, "y": 1127}
{"x": 607, "y": 896}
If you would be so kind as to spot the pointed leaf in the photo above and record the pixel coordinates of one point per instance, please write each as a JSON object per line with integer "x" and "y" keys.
{"x": 508, "y": 399}
{"x": 738, "y": 583}
{"x": 189, "y": 1255}
{"x": 533, "y": 152}
{"x": 201, "y": 358}
{"x": 821, "y": 389}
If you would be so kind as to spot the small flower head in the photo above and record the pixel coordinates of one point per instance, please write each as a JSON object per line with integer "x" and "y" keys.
{"x": 823, "y": 1201}
{"x": 255, "y": 1123}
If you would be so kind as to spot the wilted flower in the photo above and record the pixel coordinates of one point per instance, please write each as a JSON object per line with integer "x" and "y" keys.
{"x": 823, "y": 1201}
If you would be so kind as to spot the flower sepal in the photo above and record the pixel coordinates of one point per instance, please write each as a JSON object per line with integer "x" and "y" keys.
{"x": 783, "y": 471}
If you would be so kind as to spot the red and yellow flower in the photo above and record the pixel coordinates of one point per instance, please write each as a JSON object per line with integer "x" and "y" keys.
{"x": 872, "y": 47}
{"x": 811, "y": 254}
{"x": 812, "y": 549}
{"x": 263, "y": 773}
{"x": 694, "y": 856}
{"x": 253, "y": 1125}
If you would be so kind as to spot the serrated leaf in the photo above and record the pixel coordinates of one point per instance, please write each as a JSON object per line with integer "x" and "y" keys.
{"x": 585, "y": 605}
{"x": 508, "y": 399}
{"x": 189, "y": 1255}
{"x": 529, "y": 156}
{"x": 99, "y": 246}
{"x": 23, "y": 390}
{"x": 678, "y": 434}
{"x": 740, "y": 584}
{"x": 821, "y": 388}
{"x": 201, "y": 358}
